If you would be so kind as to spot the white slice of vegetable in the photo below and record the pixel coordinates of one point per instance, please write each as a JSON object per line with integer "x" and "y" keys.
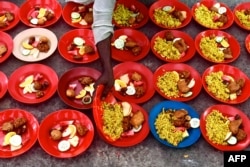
{"x": 232, "y": 140}
{"x": 78, "y": 41}
{"x": 130, "y": 90}
{"x": 123, "y": 37}
{"x": 194, "y": 122}
{"x": 25, "y": 52}
{"x": 232, "y": 96}
{"x": 176, "y": 39}
{"x": 188, "y": 94}
{"x": 63, "y": 145}
{"x": 14, "y": 148}
{"x": 75, "y": 15}
{"x": 34, "y": 21}
{"x": 35, "y": 52}
{"x": 219, "y": 39}
{"x": 66, "y": 132}
{"x": 167, "y": 8}
{"x": 74, "y": 141}
{"x": 137, "y": 129}
{"x": 191, "y": 83}
{"x": 222, "y": 10}
{"x": 15, "y": 140}
{"x": 217, "y": 5}
{"x": 119, "y": 44}
{"x": 228, "y": 135}
{"x": 185, "y": 134}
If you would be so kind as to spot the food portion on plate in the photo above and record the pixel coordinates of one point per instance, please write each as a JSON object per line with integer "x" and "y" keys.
{"x": 13, "y": 131}
{"x": 170, "y": 14}
{"x": 178, "y": 82}
{"x": 225, "y": 127}
{"x": 170, "y": 47}
{"x": 68, "y": 133}
{"x": 3, "y": 49}
{"x": 130, "y": 15}
{"x": 79, "y": 48}
{"x": 128, "y": 122}
{"x": 126, "y": 43}
{"x": 174, "y": 124}
{"x": 39, "y": 15}
{"x": 6, "y": 17}
{"x": 131, "y": 84}
{"x": 35, "y": 13}
{"x": 226, "y": 84}
{"x": 224, "y": 130}
{"x": 223, "y": 86}
{"x": 18, "y": 132}
{"x": 217, "y": 46}
{"x": 212, "y": 14}
{"x": 34, "y": 45}
{"x": 82, "y": 14}
{"x": 85, "y": 94}
{"x": 35, "y": 83}
{"x": 242, "y": 14}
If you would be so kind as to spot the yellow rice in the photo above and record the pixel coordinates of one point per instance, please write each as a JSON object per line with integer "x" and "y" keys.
{"x": 210, "y": 49}
{"x": 167, "y": 83}
{"x": 217, "y": 127}
{"x": 216, "y": 86}
{"x": 122, "y": 15}
{"x": 166, "y": 49}
{"x": 165, "y": 128}
{"x": 112, "y": 120}
{"x": 205, "y": 16}
{"x": 166, "y": 19}
{"x": 243, "y": 18}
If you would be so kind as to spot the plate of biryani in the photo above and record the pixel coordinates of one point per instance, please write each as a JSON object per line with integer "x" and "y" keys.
{"x": 66, "y": 133}
{"x": 8, "y": 15}
{"x": 130, "y": 14}
{"x": 173, "y": 46}
{"x": 77, "y": 46}
{"x": 78, "y": 15}
{"x": 217, "y": 46}
{"x": 76, "y": 87}
{"x": 177, "y": 81}
{"x": 133, "y": 82}
{"x": 129, "y": 45}
{"x": 241, "y": 15}
{"x": 6, "y": 46}
{"x": 212, "y": 14}
{"x": 119, "y": 123}
{"x": 40, "y": 13}
{"x": 174, "y": 124}
{"x": 18, "y": 132}
{"x": 225, "y": 127}
{"x": 170, "y": 14}
{"x": 225, "y": 83}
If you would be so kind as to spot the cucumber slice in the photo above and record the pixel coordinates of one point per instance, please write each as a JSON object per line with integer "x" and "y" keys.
{"x": 75, "y": 15}
{"x": 78, "y": 41}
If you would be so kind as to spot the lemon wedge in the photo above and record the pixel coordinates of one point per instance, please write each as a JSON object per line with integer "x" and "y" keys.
{"x": 27, "y": 46}
{"x": 73, "y": 131}
{"x": 90, "y": 89}
{"x": 224, "y": 43}
{"x": 2, "y": 18}
{"x": 81, "y": 94}
{"x": 76, "y": 20}
{"x": 42, "y": 12}
{"x": 7, "y": 137}
{"x": 27, "y": 81}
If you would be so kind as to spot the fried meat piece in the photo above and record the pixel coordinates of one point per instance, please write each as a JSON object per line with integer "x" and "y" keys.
{"x": 3, "y": 49}
{"x": 86, "y": 80}
{"x": 137, "y": 119}
{"x": 8, "y": 126}
{"x": 19, "y": 122}
{"x": 81, "y": 130}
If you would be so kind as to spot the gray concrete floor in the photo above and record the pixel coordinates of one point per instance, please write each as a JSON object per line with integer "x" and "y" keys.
{"x": 150, "y": 153}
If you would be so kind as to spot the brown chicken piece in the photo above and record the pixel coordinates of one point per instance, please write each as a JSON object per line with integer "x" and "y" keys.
{"x": 88, "y": 17}
{"x": 81, "y": 130}
{"x": 233, "y": 87}
{"x": 130, "y": 44}
{"x": 19, "y": 122}
{"x": 182, "y": 86}
{"x": 8, "y": 126}
{"x": 179, "y": 118}
{"x": 240, "y": 82}
{"x": 223, "y": 18}
{"x": 184, "y": 74}
{"x": 228, "y": 53}
{"x": 126, "y": 123}
{"x": 86, "y": 80}
{"x": 136, "y": 76}
{"x": 235, "y": 125}
{"x": 241, "y": 135}
{"x": 169, "y": 36}
{"x": 139, "y": 91}
{"x": 56, "y": 134}
{"x": 136, "y": 50}
{"x": 89, "y": 49}
{"x": 180, "y": 45}
{"x": 137, "y": 119}
{"x": 178, "y": 14}
{"x": 10, "y": 16}
{"x": 247, "y": 12}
